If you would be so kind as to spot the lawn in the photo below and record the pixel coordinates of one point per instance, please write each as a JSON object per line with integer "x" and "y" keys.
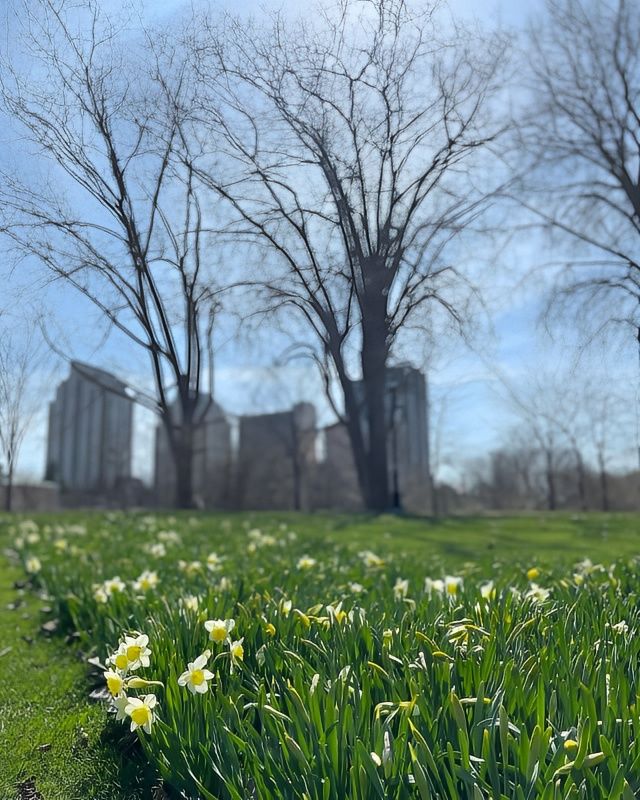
{"x": 511, "y": 672}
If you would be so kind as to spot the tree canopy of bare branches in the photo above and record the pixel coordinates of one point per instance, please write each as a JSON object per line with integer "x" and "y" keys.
{"x": 22, "y": 360}
{"x": 583, "y": 131}
{"x": 112, "y": 206}
{"x": 354, "y": 148}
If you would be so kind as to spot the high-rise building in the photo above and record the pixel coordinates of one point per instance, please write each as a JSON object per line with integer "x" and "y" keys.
{"x": 276, "y": 459}
{"x": 90, "y": 431}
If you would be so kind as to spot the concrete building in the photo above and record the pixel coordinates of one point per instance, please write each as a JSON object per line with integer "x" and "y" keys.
{"x": 408, "y": 446}
{"x": 276, "y": 458}
{"x": 90, "y": 431}
{"x": 211, "y": 460}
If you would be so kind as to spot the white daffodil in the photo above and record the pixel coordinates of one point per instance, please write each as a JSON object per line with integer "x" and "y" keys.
{"x": 285, "y": 607}
{"x": 620, "y": 627}
{"x": 401, "y": 588}
{"x": 99, "y": 594}
{"x": 120, "y": 704}
{"x": 537, "y": 593}
{"x": 452, "y": 584}
{"x": 114, "y": 681}
{"x": 147, "y": 580}
{"x": 237, "y": 651}
{"x": 488, "y": 590}
{"x": 431, "y": 586}
{"x": 190, "y": 602}
{"x": 196, "y": 677}
{"x": 33, "y": 565}
{"x": 336, "y": 613}
{"x": 190, "y": 567}
{"x": 169, "y": 537}
{"x": 306, "y": 562}
{"x": 157, "y": 550}
{"x": 136, "y": 651}
{"x": 371, "y": 560}
{"x": 219, "y": 629}
{"x": 114, "y": 585}
{"x": 141, "y": 711}
{"x": 214, "y": 562}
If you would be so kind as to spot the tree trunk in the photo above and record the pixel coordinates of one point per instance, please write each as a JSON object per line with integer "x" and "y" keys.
{"x": 183, "y": 458}
{"x": 604, "y": 483}
{"x": 181, "y": 445}
{"x": 551, "y": 484}
{"x": 582, "y": 491}
{"x": 374, "y": 380}
{"x": 8, "y": 492}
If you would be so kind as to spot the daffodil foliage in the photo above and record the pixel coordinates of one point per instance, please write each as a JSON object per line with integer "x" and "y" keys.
{"x": 274, "y": 663}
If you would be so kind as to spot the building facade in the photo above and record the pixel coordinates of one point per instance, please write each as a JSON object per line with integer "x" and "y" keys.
{"x": 276, "y": 459}
{"x": 90, "y": 432}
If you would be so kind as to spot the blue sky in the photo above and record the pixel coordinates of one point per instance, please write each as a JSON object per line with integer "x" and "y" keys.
{"x": 462, "y": 381}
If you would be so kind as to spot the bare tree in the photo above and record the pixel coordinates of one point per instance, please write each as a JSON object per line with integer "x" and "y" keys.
{"x": 583, "y": 131}
{"x": 120, "y": 216}
{"x": 353, "y": 144}
{"x": 22, "y": 359}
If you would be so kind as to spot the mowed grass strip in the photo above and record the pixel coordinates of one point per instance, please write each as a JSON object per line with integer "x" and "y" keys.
{"x": 53, "y": 741}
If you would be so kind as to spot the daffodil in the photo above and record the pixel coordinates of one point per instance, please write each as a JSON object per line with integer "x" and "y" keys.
{"x": 99, "y": 593}
{"x": 371, "y": 560}
{"x": 336, "y": 613}
{"x": 119, "y": 659}
{"x": 136, "y": 651}
{"x": 190, "y": 567}
{"x": 401, "y": 588}
{"x": 620, "y": 627}
{"x": 488, "y": 590}
{"x": 196, "y": 677}
{"x": 120, "y": 703}
{"x": 306, "y": 562}
{"x": 537, "y": 593}
{"x": 431, "y": 586}
{"x": 285, "y": 607}
{"x": 190, "y": 602}
{"x": 114, "y": 681}
{"x": 33, "y": 565}
{"x": 141, "y": 711}
{"x": 219, "y": 629}
{"x": 452, "y": 584}
{"x": 147, "y": 580}
{"x": 114, "y": 585}
{"x": 170, "y": 537}
{"x": 533, "y": 573}
{"x": 214, "y": 561}
{"x": 237, "y": 651}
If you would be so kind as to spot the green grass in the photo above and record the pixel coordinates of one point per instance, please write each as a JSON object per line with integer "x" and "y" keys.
{"x": 415, "y": 698}
{"x": 48, "y": 730}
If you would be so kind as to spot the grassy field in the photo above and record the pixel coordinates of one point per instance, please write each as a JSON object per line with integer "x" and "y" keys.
{"x": 347, "y": 682}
